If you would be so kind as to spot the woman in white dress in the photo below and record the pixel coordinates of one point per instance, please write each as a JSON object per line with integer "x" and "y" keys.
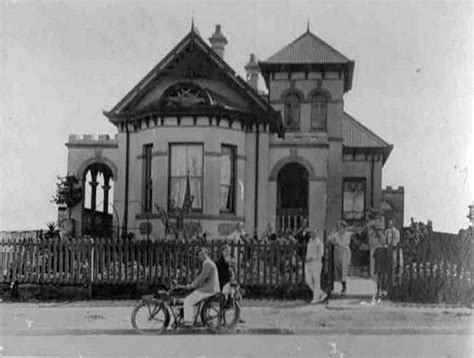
{"x": 313, "y": 265}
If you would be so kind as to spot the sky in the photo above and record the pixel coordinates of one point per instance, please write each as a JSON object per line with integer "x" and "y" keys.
{"x": 62, "y": 64}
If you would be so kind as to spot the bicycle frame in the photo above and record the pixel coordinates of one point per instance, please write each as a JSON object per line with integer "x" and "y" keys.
{"x": 173, "y": 303}
{"x": 175, "y": 307}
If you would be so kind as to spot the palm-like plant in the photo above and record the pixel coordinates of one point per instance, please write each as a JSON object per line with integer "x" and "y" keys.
{"x": 52, "y": 229}
{"x": 67, "y": 192}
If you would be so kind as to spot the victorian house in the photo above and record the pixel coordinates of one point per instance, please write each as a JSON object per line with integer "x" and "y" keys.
{"x": 192, "y": 128}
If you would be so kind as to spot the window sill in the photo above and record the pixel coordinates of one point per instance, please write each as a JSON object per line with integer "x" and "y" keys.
{"x": 354, "y": 220}
{"x": 198, "y": 216}
{"x": 319, "y": 130}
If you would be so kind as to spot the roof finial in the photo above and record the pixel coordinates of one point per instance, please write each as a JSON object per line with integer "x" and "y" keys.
{"x": 192, "y": 21}
{"x": 307, "y": 26}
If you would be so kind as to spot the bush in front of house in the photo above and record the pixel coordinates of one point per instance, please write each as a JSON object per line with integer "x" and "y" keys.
{"x": 437, "y": 267}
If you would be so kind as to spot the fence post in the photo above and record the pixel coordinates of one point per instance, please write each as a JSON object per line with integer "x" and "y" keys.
{"x": 91, "y": 266}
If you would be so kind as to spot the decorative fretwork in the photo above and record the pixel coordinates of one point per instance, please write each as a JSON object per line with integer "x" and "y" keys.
{"x": 185, "y": 95}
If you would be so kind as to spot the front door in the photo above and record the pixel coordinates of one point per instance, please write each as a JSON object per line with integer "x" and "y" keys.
{"x": 292, "y": 200}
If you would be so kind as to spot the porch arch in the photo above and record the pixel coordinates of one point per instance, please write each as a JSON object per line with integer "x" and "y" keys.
{"x": 292, "y": 159}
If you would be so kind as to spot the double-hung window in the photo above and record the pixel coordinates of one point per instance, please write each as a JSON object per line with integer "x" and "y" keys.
{"x": 354, "y": 198}
{"x": 292, "y": 111}
{"x": 319, "y": 112}
{"x": 186, "y": 174}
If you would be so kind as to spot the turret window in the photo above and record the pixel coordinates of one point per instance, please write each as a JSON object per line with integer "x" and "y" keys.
{"x": 319, "y": 112}
{"x": 292, "y": 111}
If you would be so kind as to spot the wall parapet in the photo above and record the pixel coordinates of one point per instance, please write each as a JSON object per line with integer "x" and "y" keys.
{"x": 90, "y": 140}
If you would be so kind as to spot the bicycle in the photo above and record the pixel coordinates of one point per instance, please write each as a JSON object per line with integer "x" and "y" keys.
{"x": 155, "y": 313}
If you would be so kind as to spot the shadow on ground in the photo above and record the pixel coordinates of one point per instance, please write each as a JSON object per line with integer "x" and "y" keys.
{"x": 131, "y": 332}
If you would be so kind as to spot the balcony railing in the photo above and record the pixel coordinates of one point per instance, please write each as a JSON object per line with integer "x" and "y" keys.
{"x": 290, "y": 219}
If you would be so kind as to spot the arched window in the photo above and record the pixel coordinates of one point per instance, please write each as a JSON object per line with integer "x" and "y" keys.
{"x": 319, "y": 112}
{"x": 292, "y": 111}
{"x": 97, "y": 214}
{"x": 98, "y": 188}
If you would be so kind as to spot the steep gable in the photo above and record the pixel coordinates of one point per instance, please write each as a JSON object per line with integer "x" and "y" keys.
{"x": 193, "y": 60}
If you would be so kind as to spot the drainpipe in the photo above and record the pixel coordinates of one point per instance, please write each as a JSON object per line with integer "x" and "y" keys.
{"x": 257, "y": 140}
{"x": 127, "y": 164}
{"x": 372, "y": 182}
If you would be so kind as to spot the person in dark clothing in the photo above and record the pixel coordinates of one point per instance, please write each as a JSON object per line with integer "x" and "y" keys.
{"x": 226, "y": 272}
{"x": 224, "y": 267}
{"x": 302, "y": 237}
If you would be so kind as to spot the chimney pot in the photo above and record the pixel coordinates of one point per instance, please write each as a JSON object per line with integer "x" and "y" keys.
{"x": 253, "y": 71}
{"x": 218, "y": 41}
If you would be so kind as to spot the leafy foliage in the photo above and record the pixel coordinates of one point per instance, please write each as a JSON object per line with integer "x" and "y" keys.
{"x": 182, "y": 227}
{"x": 67, "y": 191}
{"x": 437, "y": 267}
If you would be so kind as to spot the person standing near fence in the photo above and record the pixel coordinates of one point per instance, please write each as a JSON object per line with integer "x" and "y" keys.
{"x": 270, "y": 234}
{"x": 239, "y": 236}
{"x": 341, "y": 238}
{"x": 302, "y": 237}
{"x": 392, "y": 238}
{"x": 313, "y": 265}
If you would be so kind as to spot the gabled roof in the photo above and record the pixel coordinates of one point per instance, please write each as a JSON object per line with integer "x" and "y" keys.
{"x": 191, "y": 39}
{"x": 355, "y": 136}
{"x": 307, "y": 49}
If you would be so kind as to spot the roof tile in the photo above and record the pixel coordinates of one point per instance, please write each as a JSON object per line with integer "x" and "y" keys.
{"x": 356, "y": 135}
{"x": 307, "y": 49}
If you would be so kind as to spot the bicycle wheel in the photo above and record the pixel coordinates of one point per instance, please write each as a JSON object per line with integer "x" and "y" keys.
{"x": 150, "y": 317}
{"x": 216, "y": 322}
{"x": 231, "y": 314}
{"x": 210, "y": 314}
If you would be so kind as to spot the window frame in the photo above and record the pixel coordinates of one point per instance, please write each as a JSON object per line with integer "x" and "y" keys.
{"x": 290, "y": 126}
{"x": 147, "y": 177}
{"x": 233, "y": 176}
{"x": 358, "y": 180}
{"x": 170, "y": 145}
{"x": 313, "y": 102}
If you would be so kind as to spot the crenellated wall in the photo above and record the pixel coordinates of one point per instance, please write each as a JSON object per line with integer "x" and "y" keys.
{"x": 87, "y": 150}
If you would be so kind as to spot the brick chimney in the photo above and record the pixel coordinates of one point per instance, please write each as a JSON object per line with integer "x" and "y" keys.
{"x": 218, "y": 41}
{"x": 252, "y": 70}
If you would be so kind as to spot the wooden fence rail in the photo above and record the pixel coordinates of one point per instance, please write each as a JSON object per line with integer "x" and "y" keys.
{"x": 107, "y": 261}
{"x": 258, "y": 265}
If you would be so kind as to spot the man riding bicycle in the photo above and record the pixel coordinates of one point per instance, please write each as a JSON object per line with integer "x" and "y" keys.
{"x": 205, "y": 284}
